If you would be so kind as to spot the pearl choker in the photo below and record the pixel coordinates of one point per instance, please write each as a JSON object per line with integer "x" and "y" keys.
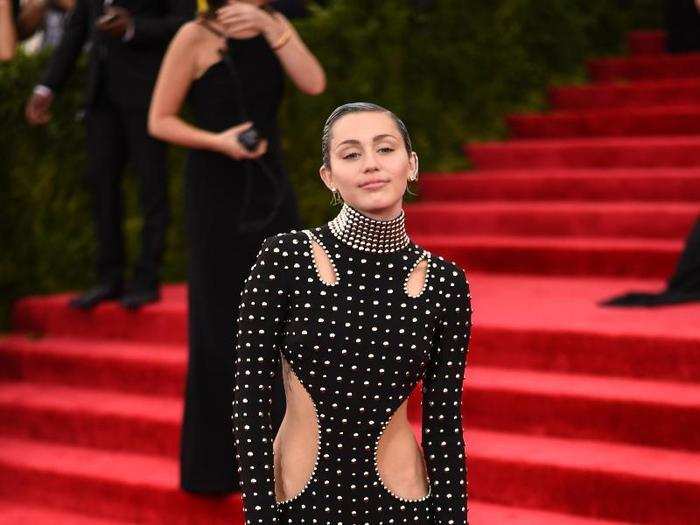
{"x": 367, "y": 234}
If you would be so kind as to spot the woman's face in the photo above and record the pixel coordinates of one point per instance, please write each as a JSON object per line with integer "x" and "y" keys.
{"x": 369, "y": 164}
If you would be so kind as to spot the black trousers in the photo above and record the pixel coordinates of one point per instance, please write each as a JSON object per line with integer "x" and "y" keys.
{"x": 116, "y": 136}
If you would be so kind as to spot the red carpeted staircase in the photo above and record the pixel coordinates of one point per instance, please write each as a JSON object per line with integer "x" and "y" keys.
{"x": 574, "y": 414}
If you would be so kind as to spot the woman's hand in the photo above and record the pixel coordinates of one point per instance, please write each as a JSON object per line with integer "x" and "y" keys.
{"x": 227, "y": 143}
{"x": 243, "y": 20}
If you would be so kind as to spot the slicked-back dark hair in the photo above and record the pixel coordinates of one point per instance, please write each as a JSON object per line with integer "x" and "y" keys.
{"x": 357, "y": 107}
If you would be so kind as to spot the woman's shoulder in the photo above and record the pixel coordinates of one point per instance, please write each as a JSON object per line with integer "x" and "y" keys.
{"x": 448, "y": 277}
{"x": 446, "y": 268}
{"x": 190, "y": 32}
{"x": 285, "y": 243}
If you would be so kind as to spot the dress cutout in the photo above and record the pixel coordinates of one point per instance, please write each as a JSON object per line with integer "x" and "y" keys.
{"x": 359, "y": 346}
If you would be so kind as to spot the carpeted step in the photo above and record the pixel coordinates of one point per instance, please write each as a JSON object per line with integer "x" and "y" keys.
{"x": 123, "y": 486}
{"x": 525, "y": 401}
{"x": 580, "y": 406}
{"x": 138, "y": 368}
{"x": 479, "y": 514}
{"x": 589, "y": 478}
{"x": 562, "y": 328}
{"x": 604, "y": 152}
{"x": 638, "y": 94}
{"x": 556, "y": 324}
{"x": 646, "y": 42}
{"x": 542, "y": 218}
{"x": 489, "y": 514}
{"x": 586, "y": 477}
{"x": 164, "y": 322}
{"x": 682, "y": 65}
{"x": 614, "y": 122}
{"x": 635, "y": 184}
{"x": 91, "y": 418}
{"x": 14, "y": 514}
{"x": 581, "y": 256}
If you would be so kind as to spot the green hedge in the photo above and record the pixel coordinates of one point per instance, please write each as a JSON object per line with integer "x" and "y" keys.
{"x": 452, "y": 71}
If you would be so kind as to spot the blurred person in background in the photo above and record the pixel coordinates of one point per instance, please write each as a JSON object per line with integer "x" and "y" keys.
{"x": 682, "y": 287}
{"x": 230, "y": 66}
{"x": 47, "y": 17}
{"x": 9, "y": 9}
{"x": 128, "y": 41}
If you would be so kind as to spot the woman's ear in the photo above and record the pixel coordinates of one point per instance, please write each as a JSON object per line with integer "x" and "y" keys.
{"x": 413, "y": 166}
{"x": 326, "y": 177}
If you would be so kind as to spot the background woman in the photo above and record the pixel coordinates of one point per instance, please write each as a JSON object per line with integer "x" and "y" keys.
{"x": 230, "y": 65}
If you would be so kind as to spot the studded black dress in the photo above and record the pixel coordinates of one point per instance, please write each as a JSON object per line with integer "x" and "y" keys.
{"x": 358, "y": 346}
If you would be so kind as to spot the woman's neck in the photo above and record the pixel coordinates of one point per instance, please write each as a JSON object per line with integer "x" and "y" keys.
{"x": 365, "y": 233}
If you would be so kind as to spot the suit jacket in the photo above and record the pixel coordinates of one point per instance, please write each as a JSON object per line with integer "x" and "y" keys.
{"x": 127, "y": 70}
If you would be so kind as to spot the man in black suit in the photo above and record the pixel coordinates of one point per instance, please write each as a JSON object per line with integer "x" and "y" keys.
{"x": 128, "y": 40}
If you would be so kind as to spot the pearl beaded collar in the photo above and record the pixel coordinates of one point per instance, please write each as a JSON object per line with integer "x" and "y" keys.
{"x": 367, "y": 234}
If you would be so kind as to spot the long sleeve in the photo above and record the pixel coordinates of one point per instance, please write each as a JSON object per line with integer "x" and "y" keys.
{"x": 442, "y": 433}
{"x": 261, "y": 323}
{"x": 65, "y": 55}
{"x": 160, "y": 30}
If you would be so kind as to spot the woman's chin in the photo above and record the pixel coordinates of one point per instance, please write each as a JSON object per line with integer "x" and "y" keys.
{"x": 376, "y": 201}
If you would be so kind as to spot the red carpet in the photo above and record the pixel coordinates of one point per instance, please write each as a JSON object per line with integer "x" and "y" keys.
{"x": 575, "y": 414}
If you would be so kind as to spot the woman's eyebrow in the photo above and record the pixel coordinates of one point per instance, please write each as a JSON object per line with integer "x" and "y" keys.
{"x": 383, "y": 136}
{"x": 348, "y": 141}
{"x": 377, "y": 138}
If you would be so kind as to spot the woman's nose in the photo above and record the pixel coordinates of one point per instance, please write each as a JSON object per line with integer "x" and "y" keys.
{"x": 371, "y": 163}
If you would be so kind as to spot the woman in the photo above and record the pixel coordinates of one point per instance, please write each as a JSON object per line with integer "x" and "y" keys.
{"x": 357, "y": 314}
{"x": 230, "y": 65}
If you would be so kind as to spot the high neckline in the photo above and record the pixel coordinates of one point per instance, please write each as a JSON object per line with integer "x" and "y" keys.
{"x": 355, "y": 229}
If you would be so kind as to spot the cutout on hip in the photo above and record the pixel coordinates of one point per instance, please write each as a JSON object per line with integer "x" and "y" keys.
{"x": 325, "y": 267}
{"x": 400, "y": 448}
{"x": 297, "y": 444}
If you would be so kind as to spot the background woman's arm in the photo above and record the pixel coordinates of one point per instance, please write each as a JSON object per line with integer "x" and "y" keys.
{"x": 174, "y": 79}
{"x": 243, "y": 20}
{"x": 8, "y": 32}
{"x": 176, "y": 74}
{"x": 298, "y": 61}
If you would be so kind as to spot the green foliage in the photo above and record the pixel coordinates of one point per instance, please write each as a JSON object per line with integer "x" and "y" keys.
{"x": 451, "y": 71}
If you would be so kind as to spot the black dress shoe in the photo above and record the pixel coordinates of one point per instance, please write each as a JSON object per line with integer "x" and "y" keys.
{"x": 135, "y": 299}
{"x": 95, "y": 295}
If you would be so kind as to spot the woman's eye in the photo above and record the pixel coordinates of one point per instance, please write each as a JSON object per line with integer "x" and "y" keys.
{"x": 352, "y": 155}
{"x": 386, "y": 149}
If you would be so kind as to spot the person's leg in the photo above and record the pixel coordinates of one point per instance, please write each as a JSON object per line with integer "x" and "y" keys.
{"x": 106, "y": 153}
{"x": 686, "y": 278}
{"x": 682, "y": 26}
{"x": 106, "y": 161}
{"x": 149, "y": 157}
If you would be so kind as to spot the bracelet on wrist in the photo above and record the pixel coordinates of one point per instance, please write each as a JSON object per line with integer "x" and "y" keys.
{"x": 283, "y": 39}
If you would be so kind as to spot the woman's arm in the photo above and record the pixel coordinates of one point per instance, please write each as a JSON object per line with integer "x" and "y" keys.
{"x": 261, "y": 321}
{"x": 8, "y": 32}
{"x": 298, "y": 61}
{"x": 442, "y": 434}
{"x": 176, "y": 74}
{"x": 300, "y": 64}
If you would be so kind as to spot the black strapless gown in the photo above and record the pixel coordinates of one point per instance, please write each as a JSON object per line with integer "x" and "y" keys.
{"x": 220, "y": 258}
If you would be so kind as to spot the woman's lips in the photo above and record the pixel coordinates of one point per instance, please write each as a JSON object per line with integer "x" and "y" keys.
{"x": 374, "y": 184}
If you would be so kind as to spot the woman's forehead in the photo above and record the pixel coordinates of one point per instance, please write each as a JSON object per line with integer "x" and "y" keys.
{"x": 364, "y": 125}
